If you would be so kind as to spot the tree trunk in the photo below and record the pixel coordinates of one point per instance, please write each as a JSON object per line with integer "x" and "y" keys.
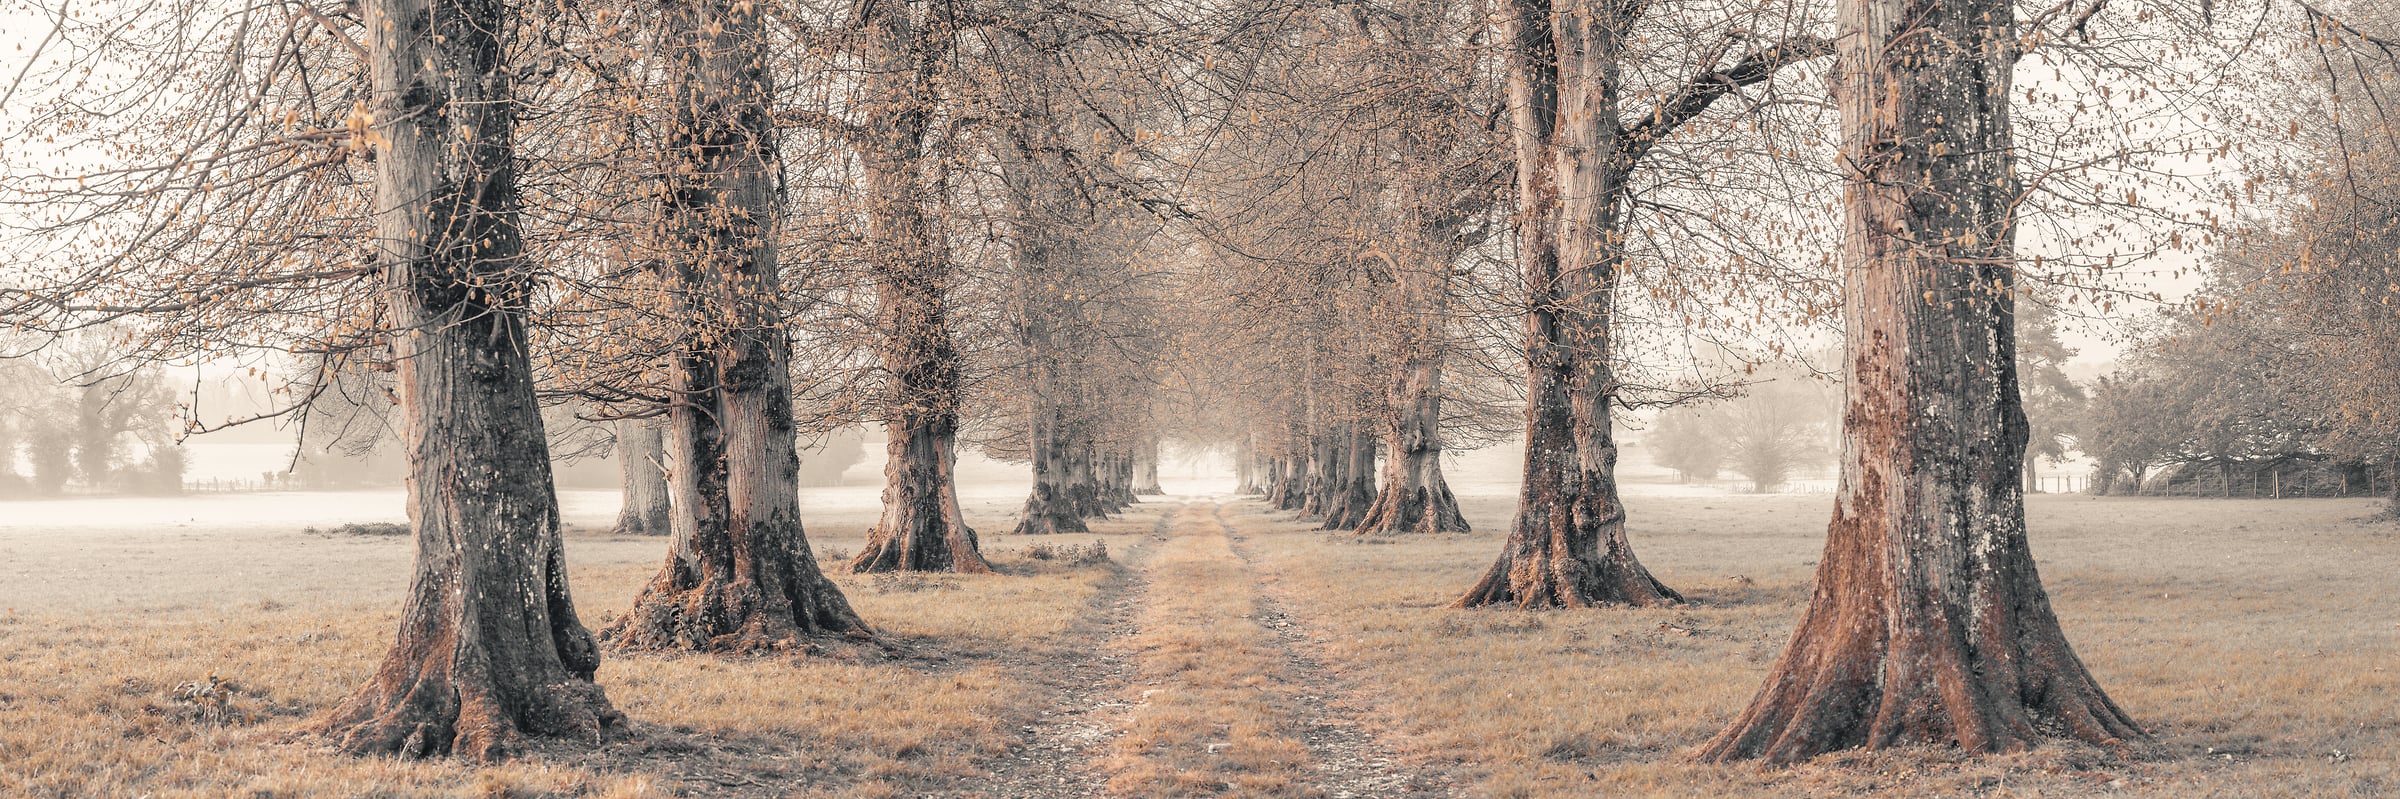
{"x": 1326, "y": 449}
{"x": 739, "y": 576}
{"x": 1279, "y": 483}
{"x": 1084, "y": 481}
{"x": 1117, "y": 481}
{"x": 489, "y": 649}
{"x": 2391, "y": 505}
{"x": 1353, "y": 493}
{"x": 1145, "y": 469}
{"x": 1567, "y": 547}
{"x": 1051, "y": 507}
{"x": 1929, "y": 624}
{"x": 922, "y": 528}
{"x": 1050, "y": 210}
{"x": 1245, "y": 469}
{"x": 642, "y": 464}
{"x": 1414, "y": 497}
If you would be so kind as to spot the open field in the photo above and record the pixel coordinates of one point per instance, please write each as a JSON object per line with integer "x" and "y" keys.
{"x": 1222, "y": 651}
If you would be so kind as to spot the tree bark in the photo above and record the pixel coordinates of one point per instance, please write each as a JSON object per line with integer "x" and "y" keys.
{"x": 739, "y": 576}
{"x": 642, "y": 464}
{"x": 1415, "y": 496}
{"x": 922, "y": 528}
{"x": 1280, "y": 491}
{"x": 1051, "y": 210}
{"x": 1928, "y": 624}
{"x": 489, "y": 649}
{"x": 1567, "y": 547}
{"x": 1288, "y": 484}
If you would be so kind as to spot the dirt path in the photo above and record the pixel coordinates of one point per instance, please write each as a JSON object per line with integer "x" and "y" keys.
{"x": 1088, "y": 673}
{"x": 1357, "y": 761}
{"x": 1225, "y": 696}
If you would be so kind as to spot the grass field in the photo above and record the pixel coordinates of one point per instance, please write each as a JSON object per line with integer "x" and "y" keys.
{"x": 1223, "y": 650}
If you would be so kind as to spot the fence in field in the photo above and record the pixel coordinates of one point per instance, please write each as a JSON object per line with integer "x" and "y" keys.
{"x": 2061, "y": 484}
{"x": 2274, "y": 483}
{"x": 2294, "y": 483}
{"x": 231, "y": 485}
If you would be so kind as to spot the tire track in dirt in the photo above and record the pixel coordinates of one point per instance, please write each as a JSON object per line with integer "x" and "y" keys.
{"x": 1226, "y": 702}
{"x": 1059, "y": 757}
{"x": 1334, "y": 719}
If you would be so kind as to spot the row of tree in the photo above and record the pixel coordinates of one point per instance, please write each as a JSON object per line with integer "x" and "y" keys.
{"x": 1327, "y": 236}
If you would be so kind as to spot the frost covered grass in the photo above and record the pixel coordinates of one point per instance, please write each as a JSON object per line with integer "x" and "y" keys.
{"x": 2254, "y": 638}
{"x": 180, "y": 662}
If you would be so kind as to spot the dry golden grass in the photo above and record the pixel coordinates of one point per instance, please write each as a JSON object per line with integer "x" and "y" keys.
{"x": 1211, "y": 715}
{"x": 2255, "y": 638}
{"x": 91, "y": 657}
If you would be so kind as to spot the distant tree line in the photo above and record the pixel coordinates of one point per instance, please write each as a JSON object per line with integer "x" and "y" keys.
{"x": 71, "y": 419}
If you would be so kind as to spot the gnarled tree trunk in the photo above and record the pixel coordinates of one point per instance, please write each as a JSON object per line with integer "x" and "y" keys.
{"x": 1929, "y": 624}
{"x": 642, "y": 465}
{"x": 489, "y": 648}
{"x": 739, "y": 576}
{"x": 1567, "y": 547}
{"x": 1116, "y": 480}
{"x": 922, "y": 528}
{"x": 1291, "y": 486}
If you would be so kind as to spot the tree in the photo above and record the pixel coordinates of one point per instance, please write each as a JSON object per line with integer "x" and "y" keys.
{"x": 1446, "y": 199}
{"x": 1773, "y": 428}
{"x": 1576, "y": 153}
{"x": 642, "y": 463}
{"x": 740, "y": 576}
{"x": 2128, "y": 430}
{"x": 2053, "y": 402}
{"x": 1928, "y": 623}
{"x": 2242, "y": 390}
{"x": 1684, "y": 441}
{"x": 907, "y": 46}
{"x": 1145, "y": 468}
{"x": 76, "y": 406}
{"x": 2302, "y": 302}
{"x": 489, "y": 649}
{"x": 822, "y": 463}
